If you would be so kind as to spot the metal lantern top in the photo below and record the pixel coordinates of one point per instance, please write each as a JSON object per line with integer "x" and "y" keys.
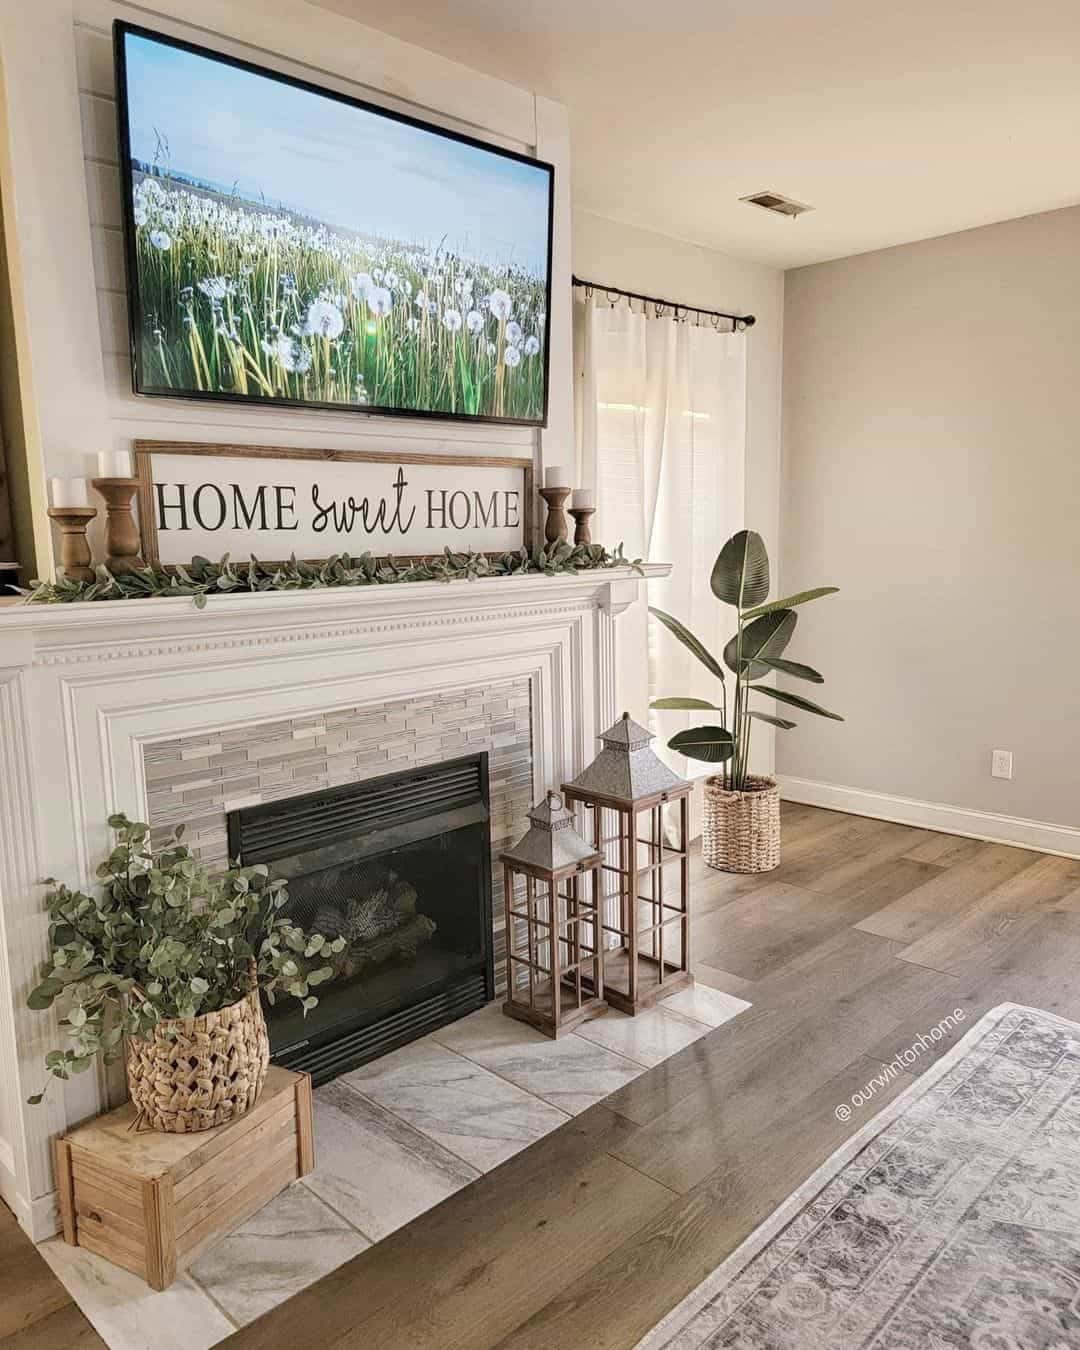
{"x": 551, "y": 844}
{"x": 627, "y": 770}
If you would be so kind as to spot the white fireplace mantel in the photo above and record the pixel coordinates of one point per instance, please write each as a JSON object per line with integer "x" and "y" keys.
{"x": 36, "y": 634}
{"x": 84, "y": 688}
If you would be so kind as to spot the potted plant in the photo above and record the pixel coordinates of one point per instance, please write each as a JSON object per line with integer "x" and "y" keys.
{"x": 741, "y": 829}
{"x": 169, "y": 961}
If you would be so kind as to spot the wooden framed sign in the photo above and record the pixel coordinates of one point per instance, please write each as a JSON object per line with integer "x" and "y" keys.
{"x": 276, "y": 502}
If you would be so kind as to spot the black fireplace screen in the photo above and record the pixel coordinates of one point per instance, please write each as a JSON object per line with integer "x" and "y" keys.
{"x": 400, "y": 867}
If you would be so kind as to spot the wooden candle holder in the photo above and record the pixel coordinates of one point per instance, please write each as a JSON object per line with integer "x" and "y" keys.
{"x": 121, "y": 533}
{"x": 582, "y": 528}
{"x": 74, "y": 546}
{"x": 556, "y": 526}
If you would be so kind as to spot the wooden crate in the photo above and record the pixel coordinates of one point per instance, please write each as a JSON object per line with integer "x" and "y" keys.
{"x": 152, "y": 1202}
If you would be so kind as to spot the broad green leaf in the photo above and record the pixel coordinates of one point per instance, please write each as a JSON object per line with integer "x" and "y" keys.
{"x": 794, "y": 668}
{"x": 790, "y": 601}
{"x": 796, "y": 701}
{"x": 780, "y": 722}
{"x": 683, "y": 704}
{"x": 711, "y": 744}
{"x": 740, "y": 575}
{"x": 767, "y": 636}
{"x": 690, "y": 642}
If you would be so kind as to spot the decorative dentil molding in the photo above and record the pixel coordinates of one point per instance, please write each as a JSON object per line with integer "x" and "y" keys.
{"x": 288, "y": 636}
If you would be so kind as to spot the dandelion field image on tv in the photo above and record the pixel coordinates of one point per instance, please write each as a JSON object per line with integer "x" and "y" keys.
{"x": 288, "y": 246}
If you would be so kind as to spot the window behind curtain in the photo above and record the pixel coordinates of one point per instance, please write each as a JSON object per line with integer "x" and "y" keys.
{"x": 661, "y": 412}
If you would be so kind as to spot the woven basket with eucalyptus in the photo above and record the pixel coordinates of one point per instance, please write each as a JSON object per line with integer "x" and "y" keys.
{"x": 165, "y": 963}
{"x": 198, "y": 1072}
{"x": 741, "y": 830}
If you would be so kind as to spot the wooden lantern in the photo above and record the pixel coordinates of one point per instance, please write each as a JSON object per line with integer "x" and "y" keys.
{"x": 645, "y": 915}
{"x": 555, "y": 975}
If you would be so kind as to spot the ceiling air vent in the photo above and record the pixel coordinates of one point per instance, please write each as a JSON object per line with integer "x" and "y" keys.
{"x": 777, "y": 203}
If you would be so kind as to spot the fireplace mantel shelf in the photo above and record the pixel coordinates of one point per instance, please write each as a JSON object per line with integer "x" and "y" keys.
{"x": 30, "y": 632}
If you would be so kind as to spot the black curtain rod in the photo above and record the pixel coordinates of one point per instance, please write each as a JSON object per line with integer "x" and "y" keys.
{"x": 745, "y": 320}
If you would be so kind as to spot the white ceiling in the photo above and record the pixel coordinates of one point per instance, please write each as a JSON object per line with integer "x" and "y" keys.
{"x": 895, "y": 119}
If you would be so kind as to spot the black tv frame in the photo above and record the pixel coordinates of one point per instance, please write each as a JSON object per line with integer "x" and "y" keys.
{"x": 121, "y": 29}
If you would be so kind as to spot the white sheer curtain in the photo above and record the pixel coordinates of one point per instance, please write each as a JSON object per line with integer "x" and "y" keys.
{"x": 661, "y": 438}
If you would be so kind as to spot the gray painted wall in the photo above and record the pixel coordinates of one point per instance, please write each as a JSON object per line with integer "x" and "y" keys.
{"x": 931, "y": 468}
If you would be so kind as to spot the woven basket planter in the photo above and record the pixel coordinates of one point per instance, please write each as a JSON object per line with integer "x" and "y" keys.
{"x": 741, "y": 830}
{"x": 198, "y": 1072}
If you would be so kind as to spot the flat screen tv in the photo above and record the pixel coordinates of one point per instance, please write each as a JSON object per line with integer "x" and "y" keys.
{"x": 289, "y": 245}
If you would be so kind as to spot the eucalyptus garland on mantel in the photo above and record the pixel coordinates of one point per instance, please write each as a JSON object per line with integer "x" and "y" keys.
{"x": 201, "y": 577}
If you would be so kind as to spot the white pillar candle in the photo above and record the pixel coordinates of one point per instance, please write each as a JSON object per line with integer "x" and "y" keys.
{"x": 557, "y": 475}
{"x": 581, "y": 499}
{"x": 70, "y": 492}
{"x": 114, "y": 464}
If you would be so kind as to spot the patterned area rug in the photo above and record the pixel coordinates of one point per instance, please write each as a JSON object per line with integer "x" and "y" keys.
{"x": 950, "y": 1221}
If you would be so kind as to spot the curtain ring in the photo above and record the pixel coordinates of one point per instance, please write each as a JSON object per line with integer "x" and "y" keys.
{"x": 661, "y": 310}
{"x": 588, "y": 292}
{"x": 613, "y": 302}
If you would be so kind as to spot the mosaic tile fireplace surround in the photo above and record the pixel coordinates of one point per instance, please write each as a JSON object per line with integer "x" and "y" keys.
{"x": 197, "y": 780}
{"x": 202, "y": 782}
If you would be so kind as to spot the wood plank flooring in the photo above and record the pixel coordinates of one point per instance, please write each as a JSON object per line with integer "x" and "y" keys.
{"x": 36, "y": 1311}
{"x": 867, "y": 936}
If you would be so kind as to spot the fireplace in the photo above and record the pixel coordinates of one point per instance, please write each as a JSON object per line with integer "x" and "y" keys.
{"x": 399, "y": 866}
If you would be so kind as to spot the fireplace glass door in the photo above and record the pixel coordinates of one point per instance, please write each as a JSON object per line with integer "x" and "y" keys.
{"x": 400, "y": 867}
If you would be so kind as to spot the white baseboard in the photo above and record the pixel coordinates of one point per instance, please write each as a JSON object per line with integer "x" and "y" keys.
{"x": 1015, "y": 830}
{"x": 40, "y": 1218}
{"x": 45, "y": 1221}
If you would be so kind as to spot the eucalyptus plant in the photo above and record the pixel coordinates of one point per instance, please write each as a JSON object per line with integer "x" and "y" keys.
{"x": 202, "y": 578}
{"x": 740, "y": 578}
{"x": 165, "y": 938}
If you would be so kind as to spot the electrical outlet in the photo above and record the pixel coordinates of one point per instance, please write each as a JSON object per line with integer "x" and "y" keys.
{"x": 1001, "y": 764}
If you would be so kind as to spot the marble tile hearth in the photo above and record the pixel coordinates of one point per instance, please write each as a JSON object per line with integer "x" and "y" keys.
{"x": 392, "y": 1139}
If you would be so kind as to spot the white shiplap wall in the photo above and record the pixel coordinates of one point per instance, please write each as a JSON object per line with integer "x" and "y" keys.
{"x": 132, "y": 416}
